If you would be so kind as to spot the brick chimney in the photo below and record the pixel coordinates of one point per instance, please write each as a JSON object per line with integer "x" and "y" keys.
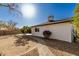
{"x": 50, "y": 18}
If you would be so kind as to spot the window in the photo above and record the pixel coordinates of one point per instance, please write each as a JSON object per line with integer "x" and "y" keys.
{"x": 36, "y": 29}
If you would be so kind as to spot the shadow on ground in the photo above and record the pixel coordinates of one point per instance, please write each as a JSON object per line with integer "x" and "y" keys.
{"x": 21, "y": 41}
{"x": 72, "y": 48}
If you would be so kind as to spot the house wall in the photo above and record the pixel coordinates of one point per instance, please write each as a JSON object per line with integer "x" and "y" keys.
{"x": 61, "y": 31}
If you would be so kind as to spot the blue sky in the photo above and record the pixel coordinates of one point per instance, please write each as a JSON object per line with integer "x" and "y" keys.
{"x": 43, "y": 10}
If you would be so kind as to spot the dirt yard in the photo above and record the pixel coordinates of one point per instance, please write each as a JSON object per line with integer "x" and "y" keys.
{"x": 14, "y": 45}
{"x": 24, "y": 45}
{"x": 59, "y": 48}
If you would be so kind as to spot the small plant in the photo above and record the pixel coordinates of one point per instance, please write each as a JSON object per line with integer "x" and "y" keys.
{"x": 47, "y": 34}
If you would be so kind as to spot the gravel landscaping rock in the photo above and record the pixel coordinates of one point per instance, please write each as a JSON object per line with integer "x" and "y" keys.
{"x": 61, "y": 48}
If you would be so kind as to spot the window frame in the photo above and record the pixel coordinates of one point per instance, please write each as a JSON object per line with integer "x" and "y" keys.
{"x": 36, "y": 29}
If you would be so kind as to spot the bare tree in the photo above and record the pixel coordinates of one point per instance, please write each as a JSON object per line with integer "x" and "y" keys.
{"x": 12, "y": 25}
{"x": 2, "y": 24}
{"x": 12, "y": 7}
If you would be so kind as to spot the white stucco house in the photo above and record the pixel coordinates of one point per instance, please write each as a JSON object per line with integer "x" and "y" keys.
{"x": 61, "y": 30}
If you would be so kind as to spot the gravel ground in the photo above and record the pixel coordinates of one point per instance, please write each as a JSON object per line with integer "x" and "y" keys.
{"x": 58, "y": 48}
{"x": 13, "y": 45}
{"x": 61, "y": 48}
